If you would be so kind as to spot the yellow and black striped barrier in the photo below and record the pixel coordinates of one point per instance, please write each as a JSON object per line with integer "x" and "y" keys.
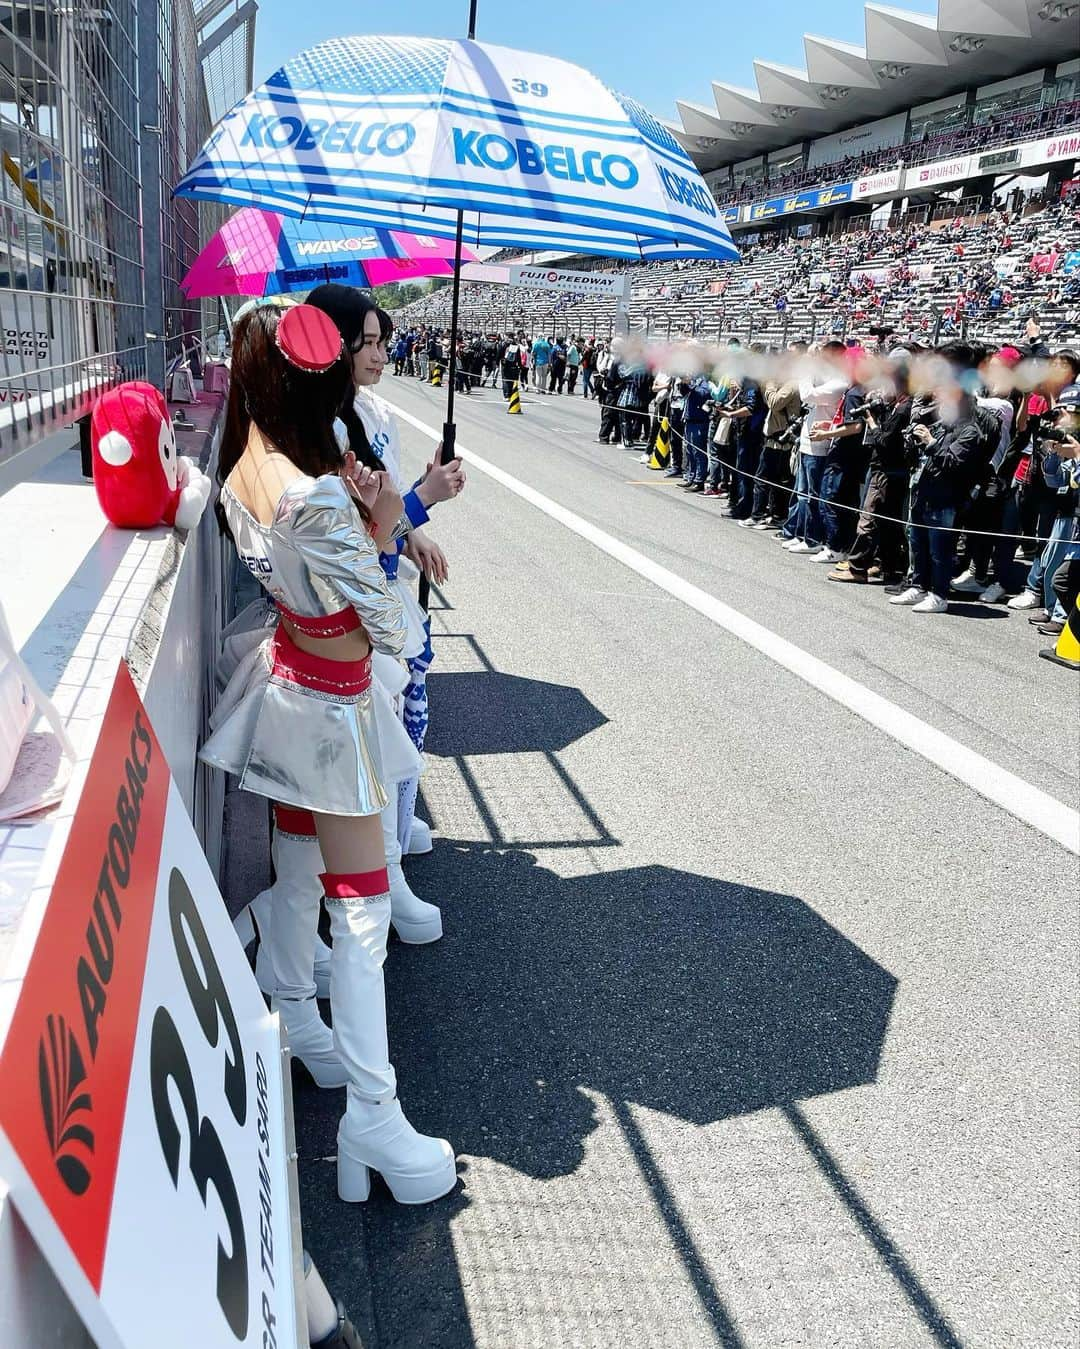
{"x": 661, "y": 454}
{"x": 515, "y": 400}
{"x": 436, "y": 374}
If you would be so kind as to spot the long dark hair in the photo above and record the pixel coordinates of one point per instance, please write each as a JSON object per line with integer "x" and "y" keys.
{"x": 349, "y": 308}
{"x": 293, "y": 408}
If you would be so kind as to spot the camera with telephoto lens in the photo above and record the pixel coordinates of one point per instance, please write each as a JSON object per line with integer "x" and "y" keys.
{"x": 923, "y": 413}
{"x": 791, "y": 433}
{"x": 876, "y": 403}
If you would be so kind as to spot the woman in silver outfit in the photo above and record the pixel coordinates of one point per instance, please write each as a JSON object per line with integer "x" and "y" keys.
{"x": 297, "y": 722}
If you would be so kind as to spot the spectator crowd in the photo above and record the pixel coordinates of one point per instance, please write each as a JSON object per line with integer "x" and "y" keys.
{"x": 946, "y": 474}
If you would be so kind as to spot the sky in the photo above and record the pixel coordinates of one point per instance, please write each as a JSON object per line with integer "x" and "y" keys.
{"x": 621, "y": 41}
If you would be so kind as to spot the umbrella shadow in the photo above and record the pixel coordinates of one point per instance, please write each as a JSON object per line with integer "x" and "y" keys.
{"x": 648, "y": 987}
{"x": 495, "y": 713}
{"x": 502, "y": 714}
{"x": 652, "y": 987}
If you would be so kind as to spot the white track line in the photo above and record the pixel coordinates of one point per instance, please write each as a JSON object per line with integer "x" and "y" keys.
{"x": 1032, "y": 805}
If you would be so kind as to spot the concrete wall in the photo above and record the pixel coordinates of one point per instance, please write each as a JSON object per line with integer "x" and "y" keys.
{"x": 164, "y": 615}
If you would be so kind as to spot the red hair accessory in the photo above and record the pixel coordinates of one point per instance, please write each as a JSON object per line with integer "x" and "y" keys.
{"x": 308, "y": 338}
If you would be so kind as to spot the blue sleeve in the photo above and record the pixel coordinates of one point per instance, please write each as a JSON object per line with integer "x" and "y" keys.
{"x": 1052, "y": 473}
{"x": 415, "y": 509}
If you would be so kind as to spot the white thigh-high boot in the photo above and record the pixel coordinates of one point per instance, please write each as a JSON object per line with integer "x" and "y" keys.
{"x": 262, "y": 913}
{"x": 374, "y": 1134}
{"x": 415, "y": 920}
{"x": 287, "y": 917}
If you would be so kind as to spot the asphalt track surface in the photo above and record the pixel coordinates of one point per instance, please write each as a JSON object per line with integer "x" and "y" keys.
{"x": 750, "y": 1025}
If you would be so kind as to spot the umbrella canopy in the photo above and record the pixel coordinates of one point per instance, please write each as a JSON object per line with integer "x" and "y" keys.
{"x": 258, "y": 253}
{"x": 403, "y": 133}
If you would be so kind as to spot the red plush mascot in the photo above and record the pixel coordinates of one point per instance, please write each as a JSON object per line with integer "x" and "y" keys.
{"x": 140, "y": 479}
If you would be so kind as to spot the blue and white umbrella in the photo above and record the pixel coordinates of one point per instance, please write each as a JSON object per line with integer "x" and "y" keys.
{"x": 403, "y": 133}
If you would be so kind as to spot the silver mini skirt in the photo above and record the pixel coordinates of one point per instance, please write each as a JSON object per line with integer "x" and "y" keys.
{"x": 311, "y": 733}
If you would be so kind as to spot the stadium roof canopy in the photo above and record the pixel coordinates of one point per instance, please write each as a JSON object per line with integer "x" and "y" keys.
{"x": 907, "y": 59}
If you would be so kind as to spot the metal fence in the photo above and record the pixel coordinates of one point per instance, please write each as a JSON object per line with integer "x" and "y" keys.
{"x": 102, "y": 105}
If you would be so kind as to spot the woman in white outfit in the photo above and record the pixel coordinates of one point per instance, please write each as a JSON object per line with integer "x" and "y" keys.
{"x": 284, "y": 968}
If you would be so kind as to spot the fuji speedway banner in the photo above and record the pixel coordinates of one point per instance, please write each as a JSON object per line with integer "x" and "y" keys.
{"x": 551, "y": 278}
{"x": 143, "y": 1124}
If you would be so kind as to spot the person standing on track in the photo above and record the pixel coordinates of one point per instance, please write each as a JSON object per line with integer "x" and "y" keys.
{"x": 540, "y": 354}
{"x": 588, "y": 366}
{"x": 573, "y": 364}
{"x": 557, "y": 366}
{"x": 609, "y": 388}
{"x": 949, "y": 449}
{"x": 695, "y": 432}
{"x": 491, "y": 360}
{"x": 514, "y": 360}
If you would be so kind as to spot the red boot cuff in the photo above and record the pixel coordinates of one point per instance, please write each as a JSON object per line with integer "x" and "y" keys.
{"x": 292, "y": 821}
{"x": 358, "y": 885}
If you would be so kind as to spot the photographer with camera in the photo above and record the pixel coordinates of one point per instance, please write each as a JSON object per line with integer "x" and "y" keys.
{"x": 822, "y": 391}
{"x": 988, "y": 564}
{"x": 1063, "y": 372}
{"x": 881, "y": 541}
{"x": 783, "y": 423}
{"x": 1060, "y": 447}
{"x": 949, "y": 443}
{"x": 845, "y": 467}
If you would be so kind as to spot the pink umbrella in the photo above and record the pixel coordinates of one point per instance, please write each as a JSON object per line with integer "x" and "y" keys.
{"x": 258, "y": 253}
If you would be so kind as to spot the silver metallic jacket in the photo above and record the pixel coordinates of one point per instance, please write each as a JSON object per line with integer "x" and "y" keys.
{"x": 316, "y": 559}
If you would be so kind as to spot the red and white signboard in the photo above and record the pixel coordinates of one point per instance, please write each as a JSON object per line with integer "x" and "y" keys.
{"x": 877, "y": 184}
{"x": 142, "y": 1107}
{"x": 1052, "y": 150}
{"x": 923, "y": 176}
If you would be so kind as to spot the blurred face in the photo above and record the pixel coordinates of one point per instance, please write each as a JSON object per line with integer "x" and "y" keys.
{"x": 1060, "y": 374}
{"x": 368, "y": 353}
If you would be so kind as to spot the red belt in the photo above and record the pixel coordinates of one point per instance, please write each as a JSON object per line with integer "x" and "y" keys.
{"x": 342, "y": 678}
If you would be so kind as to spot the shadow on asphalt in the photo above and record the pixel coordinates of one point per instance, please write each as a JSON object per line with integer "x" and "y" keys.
{"x": 496, "y": 713}
{"x": 652, "y": 986}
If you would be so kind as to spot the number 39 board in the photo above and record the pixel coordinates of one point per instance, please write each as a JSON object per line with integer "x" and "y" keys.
{"x": 141, "y": 1101}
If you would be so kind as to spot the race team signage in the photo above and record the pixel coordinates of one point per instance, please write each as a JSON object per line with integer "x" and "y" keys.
{"x": 142, "y": 1115}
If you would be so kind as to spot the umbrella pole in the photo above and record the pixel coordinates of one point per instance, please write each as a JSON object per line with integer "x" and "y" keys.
{"x": 449, "y": 431}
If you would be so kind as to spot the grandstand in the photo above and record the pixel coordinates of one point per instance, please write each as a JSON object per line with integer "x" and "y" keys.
{"x": 910, "y": 277}
{"x": 851, "y": 185}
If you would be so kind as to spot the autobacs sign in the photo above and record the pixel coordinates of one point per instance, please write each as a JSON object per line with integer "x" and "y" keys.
{"x": 67, "y": 1056}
